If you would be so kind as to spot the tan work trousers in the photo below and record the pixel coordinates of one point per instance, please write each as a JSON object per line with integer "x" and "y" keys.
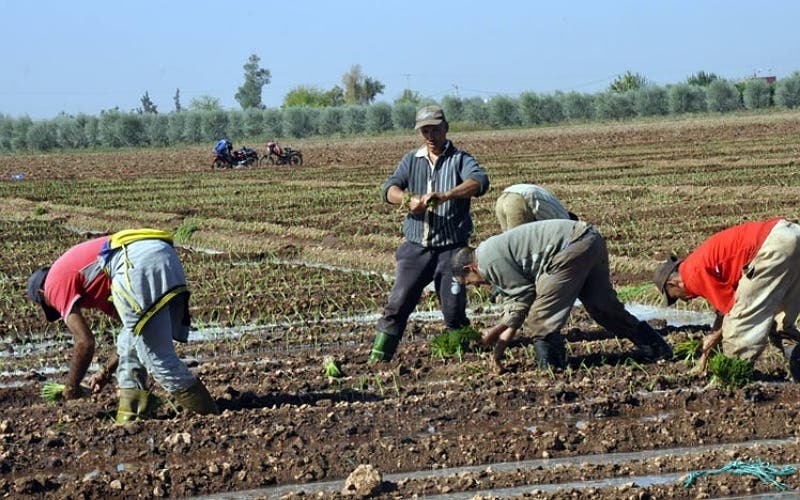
{"x": 767, "y": 297}
{"x": 512, "y": 211}
{"x": 580, "y": 271}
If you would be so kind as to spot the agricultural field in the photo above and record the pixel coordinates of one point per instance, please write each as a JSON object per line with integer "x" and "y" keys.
{"x": 289, "y": 265}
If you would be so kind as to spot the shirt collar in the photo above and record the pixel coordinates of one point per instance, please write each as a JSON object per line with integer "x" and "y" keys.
{"x": 423, "y": 151}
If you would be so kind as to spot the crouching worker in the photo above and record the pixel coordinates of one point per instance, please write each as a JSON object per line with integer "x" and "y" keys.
{"x": 750, "y": 274}
{"x": 541, "y": 268}
{"x": 139, "y": 270}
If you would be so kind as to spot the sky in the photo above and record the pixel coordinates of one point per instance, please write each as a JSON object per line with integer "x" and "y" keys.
{"x": 87, "y": 56}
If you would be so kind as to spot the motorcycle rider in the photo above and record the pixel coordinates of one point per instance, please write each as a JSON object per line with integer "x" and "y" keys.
{"x": 224, "y": 149}
{"x": 273, "y": 148}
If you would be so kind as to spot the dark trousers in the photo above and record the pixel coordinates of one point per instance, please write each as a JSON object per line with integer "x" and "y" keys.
{"x": 417, "y": 266}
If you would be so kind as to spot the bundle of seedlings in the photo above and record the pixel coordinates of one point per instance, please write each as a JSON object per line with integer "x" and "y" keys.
{"x": 331, "y": 367}
{"x": 730, "y": 372}
{"x": 688, "y": 349}
{"x": 454, "y": 342}
{"x": 54, "y": 391}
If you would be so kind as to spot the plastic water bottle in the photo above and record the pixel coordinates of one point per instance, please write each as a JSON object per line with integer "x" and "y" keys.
{"x": 17, "y": 177}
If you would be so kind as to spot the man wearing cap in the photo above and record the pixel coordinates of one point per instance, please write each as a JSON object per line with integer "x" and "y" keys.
{"x": 433, "y": 185}
{"x": 523, "y": 203}
{"x": 139, "y": 270}
{"x": 542, "y": 268}
{"x": 750, "y": 274}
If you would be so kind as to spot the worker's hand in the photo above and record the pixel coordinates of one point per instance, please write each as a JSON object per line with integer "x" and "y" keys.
{"x": 97, "y": 381}
{"x": 711, "y": 341}
{"x": 432, "y": 200}
{"x": 416, "y": 205}
{"x": 75, "y": 393}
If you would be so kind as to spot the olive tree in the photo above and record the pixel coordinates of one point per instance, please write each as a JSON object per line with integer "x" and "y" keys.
{"x": 651, "y": 101}
{"x": 453, "y": 108}
{"x": 614, "y": 105}
{"x": 757, "y": 94}
{"x": 787, "y": 91}
{"x": 578, "y": 106}
{"x": 404, "y": 115}
{"x": 722, "y": 96}
{"x": 685, "y": 98}
{"x": 354, "y": 120}
{"x": 330, "y": 121}
{"x": 379, "y": 118}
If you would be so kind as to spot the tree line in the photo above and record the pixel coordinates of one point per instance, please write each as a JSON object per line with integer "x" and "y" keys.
{"x": 630, "y": 95}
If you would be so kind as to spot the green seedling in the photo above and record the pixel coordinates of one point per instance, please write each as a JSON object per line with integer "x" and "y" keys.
{"x": 432, "y": 203}
{"x": 730, "y": 372}
{"x": 53, "y": 391}
{"x": 331, "y": 367}
{"x": 688, "y": 349}
{"x": 454, "y": 342}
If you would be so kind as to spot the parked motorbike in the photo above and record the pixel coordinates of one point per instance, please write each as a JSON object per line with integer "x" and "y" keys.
{"x": 289, "y": 156}
{"x": 242, "y": 157}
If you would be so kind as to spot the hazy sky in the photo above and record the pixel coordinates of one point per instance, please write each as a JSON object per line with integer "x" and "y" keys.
{"x": 86, "y": 56}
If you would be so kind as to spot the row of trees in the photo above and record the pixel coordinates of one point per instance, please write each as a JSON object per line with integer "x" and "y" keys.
{"x": 623, "y": 100}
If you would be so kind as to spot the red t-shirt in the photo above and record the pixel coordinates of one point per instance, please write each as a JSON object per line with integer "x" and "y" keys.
{"x": 714, "y": 269}
{"x": 69, "y": 280}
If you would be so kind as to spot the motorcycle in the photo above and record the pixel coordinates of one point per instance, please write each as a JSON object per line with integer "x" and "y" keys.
{"x": 289, "y": 156}
{"x": 242, "y": 157}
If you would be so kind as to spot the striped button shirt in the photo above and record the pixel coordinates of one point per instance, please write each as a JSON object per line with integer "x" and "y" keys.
{"x": 449, "y": 223}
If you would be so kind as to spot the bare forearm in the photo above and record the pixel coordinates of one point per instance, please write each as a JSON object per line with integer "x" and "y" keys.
{"x": 83, "y": 350}
{"x": 82, "y": 355}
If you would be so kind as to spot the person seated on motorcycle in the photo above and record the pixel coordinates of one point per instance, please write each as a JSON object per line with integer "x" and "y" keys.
{"x": 224, "y": 149}
{"x": 273, "y": 148}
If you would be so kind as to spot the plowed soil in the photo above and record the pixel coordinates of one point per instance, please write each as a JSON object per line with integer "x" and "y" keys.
{"x": 269, "y": 310}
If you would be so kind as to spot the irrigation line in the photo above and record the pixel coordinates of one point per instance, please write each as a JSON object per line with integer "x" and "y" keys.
{"x": 537, "y": 464}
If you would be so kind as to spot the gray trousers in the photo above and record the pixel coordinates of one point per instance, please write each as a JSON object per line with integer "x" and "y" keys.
{"x": 141, "y": 273}
{"x": 417, "y": 266}
{"x": 580, "y": 271}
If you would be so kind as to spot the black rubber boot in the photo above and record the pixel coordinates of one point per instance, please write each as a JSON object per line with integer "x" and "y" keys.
{"x": 383, "y": 348}
{"x": 650, "y": 343}
{"x": 551, "y": 352}
{"x": 792, "y": 354}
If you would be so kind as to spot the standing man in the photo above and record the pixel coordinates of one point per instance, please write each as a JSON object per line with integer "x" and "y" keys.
{"x": 750, "y": 274}
{"x": 434, "y": 185}
{"x": 523, "y": 203}
{"x": 140, "y": 271}
{"x": 542, "y": 267}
